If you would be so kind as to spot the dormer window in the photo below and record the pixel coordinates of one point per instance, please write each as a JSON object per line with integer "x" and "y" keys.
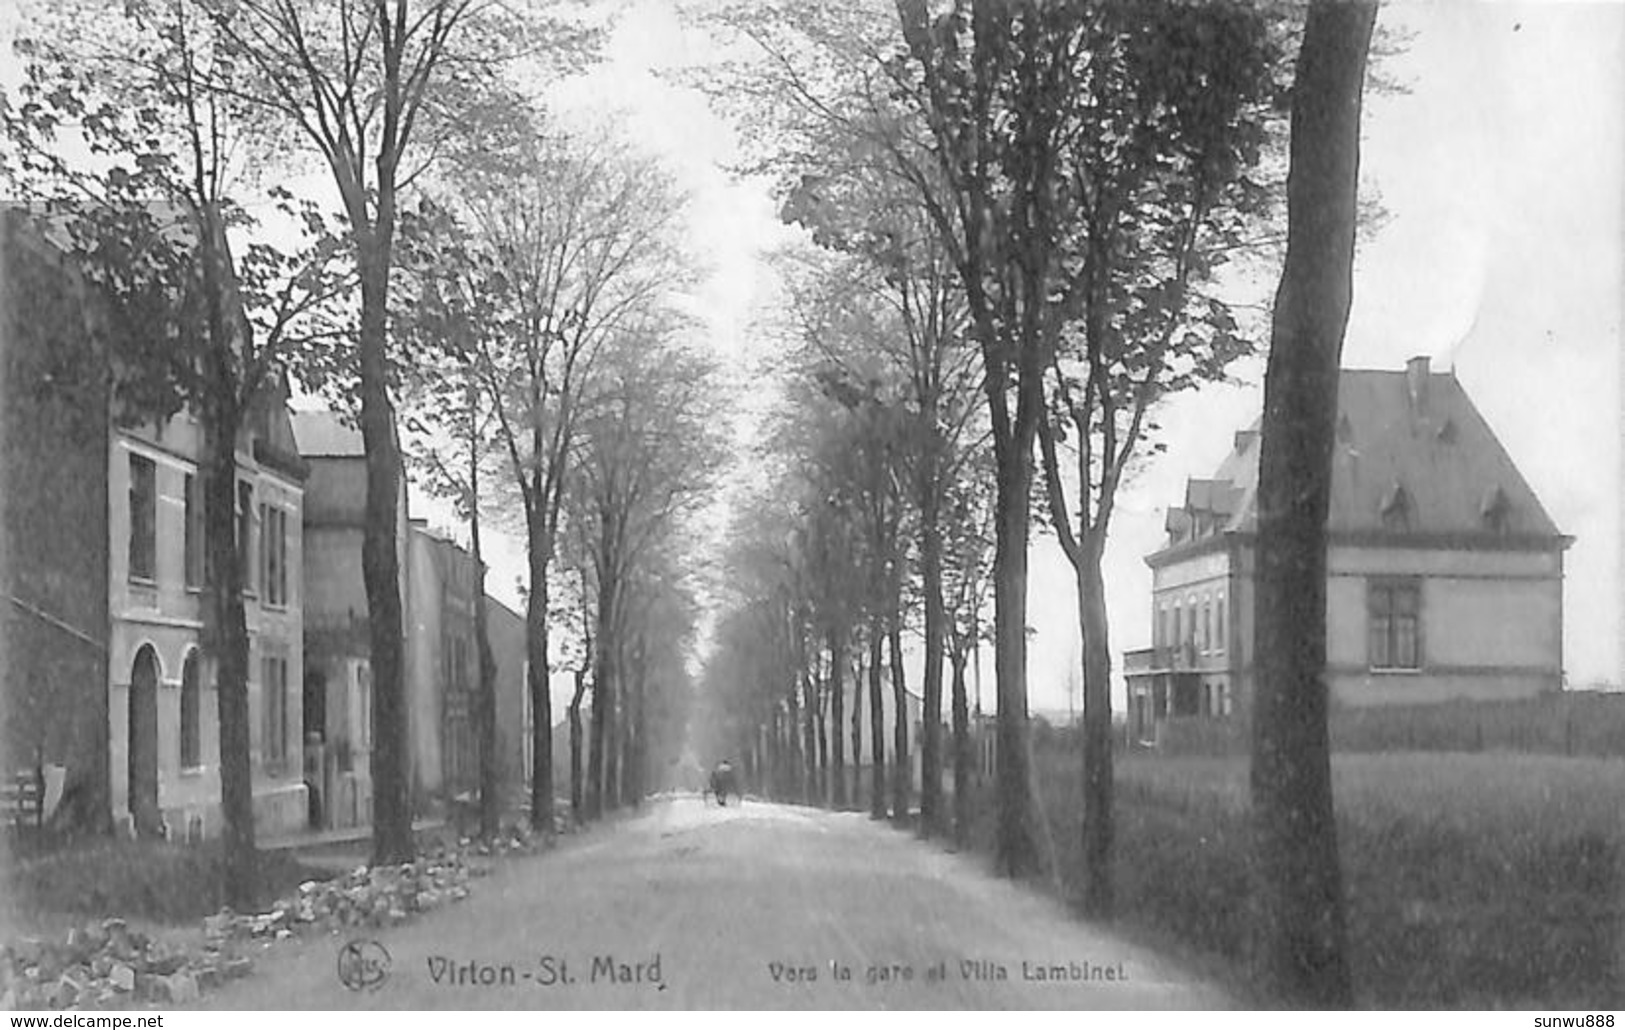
{"x": 1496, "y": 511}
{"x": 1396, "y": 509}
{"x": 1179, "y": 526}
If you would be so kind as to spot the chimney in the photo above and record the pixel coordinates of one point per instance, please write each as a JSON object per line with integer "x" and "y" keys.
{"x": 1416, "y": 382}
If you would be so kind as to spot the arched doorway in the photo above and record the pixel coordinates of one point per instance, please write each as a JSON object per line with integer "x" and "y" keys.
{"x": 143, "y": 745}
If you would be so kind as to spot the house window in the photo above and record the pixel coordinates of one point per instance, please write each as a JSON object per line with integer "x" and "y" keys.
{"x": 275, "y": 687}
{"x": 191, "y": 714}
{"x": 274, "y": 554}
{"x": 245, "y": 535}
{"x": 143, "y": 519}
{"x": 1218, "y": 624}
{"x": 1396, "y": 632}
{"x": 192, "y": 548}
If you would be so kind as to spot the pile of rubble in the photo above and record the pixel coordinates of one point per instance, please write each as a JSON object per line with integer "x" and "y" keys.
{"x": 364, "y": 897}
{"x": 110, "y": 965}
{"x": 107, "y": 964}
{"x": 515, "y": 839}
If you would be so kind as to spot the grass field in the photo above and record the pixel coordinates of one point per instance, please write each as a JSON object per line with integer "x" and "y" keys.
{"x": 155, "y": 881}
{"x": 1473, "y": 880}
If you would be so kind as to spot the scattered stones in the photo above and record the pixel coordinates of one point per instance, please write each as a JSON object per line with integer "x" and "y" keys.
{"x": 236, "y": 967}
{"x": 109, "y": 964}
{"x": 65, "y": 992}
{"x": 178, "y": 989}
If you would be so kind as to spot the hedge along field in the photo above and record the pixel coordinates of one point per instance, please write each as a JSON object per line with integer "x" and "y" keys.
{"x": 1473, "y": 880}
{"x": 1569, "y": 722}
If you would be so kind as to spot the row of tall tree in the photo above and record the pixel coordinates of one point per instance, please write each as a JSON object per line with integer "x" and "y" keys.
{"x": 1077, "y": 178}
{"x": 539, "y": 287}
{"x": 519, "y": 305}
{"x": 1071, "y": 179}
{"x": 875, "y": 524}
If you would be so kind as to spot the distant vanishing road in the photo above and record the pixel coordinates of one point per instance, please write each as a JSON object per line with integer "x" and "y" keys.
{"x": 756, "y": 906}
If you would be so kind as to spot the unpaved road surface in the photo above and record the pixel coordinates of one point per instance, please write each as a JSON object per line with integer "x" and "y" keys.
{"x": 688, "y": 906}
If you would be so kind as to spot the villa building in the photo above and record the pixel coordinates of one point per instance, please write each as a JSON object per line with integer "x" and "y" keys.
{"x": 1445, "y": 573}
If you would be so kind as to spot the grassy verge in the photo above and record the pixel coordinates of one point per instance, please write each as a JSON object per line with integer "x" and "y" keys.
{"x": 1473, "y": 880}
{"x": 161, "y": 882}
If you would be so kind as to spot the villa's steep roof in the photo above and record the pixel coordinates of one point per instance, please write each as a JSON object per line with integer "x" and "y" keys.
{"x": 1413, "y": 455}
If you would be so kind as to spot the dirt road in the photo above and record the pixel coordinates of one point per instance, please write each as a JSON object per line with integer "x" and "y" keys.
{"x": 756, "y": 906}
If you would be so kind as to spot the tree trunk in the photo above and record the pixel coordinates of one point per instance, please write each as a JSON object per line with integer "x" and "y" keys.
{"x": 1016, "y": 851}
{"x": 962, "y": 752}
{"x": 877, "y": 725}
{"x": 229, "y": 633}
{"x": 902, "y": 769}
{"x": 857, "y": 728}
{"x": 809, "y": 721}
{"x": 619, "y": 733}
{"x": 610, "y": 796}
{"x": 837, "y": 714}
{"x": 490, "y": 768}
{"x": 790, "y": 748}
{"x": 638, "y": 754}
{"x": 795, "y": 787}
{"x": 1300, "y": 945}
{"x": 823, "y": 744}
{"x": 228, "y": 623}
{"x": 760, "y": 744}
{"x": 575, "y": 741}
{"x": 392, "y": 841}
{"x": 540, "y": 550}
{"x": 617, "y": 730}
{"x": 769, "y": 743}
{"x": 615, "y": 733}
{"x": 1097, "y": 731}
{"x": 603, "y": 691}
{"x": 931, "y": 689}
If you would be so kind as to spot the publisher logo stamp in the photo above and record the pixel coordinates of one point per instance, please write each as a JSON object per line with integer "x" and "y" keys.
{"x": 363, "y": 965}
